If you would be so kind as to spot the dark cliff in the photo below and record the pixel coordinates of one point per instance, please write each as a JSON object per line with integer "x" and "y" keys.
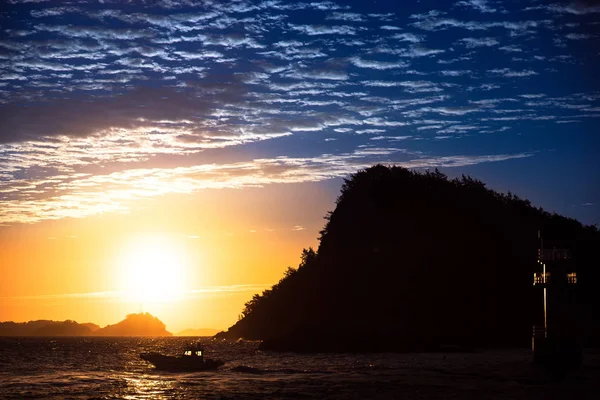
{"x": 411, "y": 261}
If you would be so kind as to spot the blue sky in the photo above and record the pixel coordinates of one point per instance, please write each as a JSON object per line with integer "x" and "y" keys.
{"x": 106, "y": 103}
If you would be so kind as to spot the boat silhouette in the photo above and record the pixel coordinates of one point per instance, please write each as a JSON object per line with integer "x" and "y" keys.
{"x": 192, "y": 359}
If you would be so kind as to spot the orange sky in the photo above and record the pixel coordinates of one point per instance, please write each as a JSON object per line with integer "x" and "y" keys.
{"x": 233, "y": 242}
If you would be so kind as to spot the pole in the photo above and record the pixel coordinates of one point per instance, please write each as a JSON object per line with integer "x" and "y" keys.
{"x": 545, "y": 317}
{"x": 545, "y": 283}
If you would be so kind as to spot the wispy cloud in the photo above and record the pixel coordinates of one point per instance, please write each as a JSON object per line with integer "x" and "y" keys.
{"x": 578, "y": 36}
{"x": 479, "y": 5}
{"x": 314, "y": 30}
{"x": 114, "y": 192}
{"x": 509, "y": 73}
{"x": 575, "y": 8}
{"x": 100, "y": 107}
{"x": 229, "y": 289}
{"x": 345, "y": 16}
{"x": 435, "y": 22}
{"x": 408, "y": 37}
{"x": 456, "y": 72}
{"x": 511, "y": 49}
{"x": 90, "y": 295}
{"x": 116, "y": 295}
{"x": 451, "y": 110}
{"x": 380, "y": 65}
{"x": 479, "y": 42}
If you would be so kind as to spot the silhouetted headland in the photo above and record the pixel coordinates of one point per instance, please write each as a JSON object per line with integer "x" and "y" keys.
{"x": 142, "y": 324}
{"x": 47, "y": 328}
{"x": 413, "y": 261}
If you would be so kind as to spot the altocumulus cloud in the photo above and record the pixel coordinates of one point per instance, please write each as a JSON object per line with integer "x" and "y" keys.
{"x": 133, "y": 100}
{"x": 92, "y": 194}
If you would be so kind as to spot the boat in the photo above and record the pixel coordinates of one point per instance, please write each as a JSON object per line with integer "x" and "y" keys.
{"x": 192, "y": 359}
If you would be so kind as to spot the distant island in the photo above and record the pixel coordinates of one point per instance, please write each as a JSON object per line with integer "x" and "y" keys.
{"x": 142, "y": 324}
{"x": 198, "y": 332}
{"x": 411, "y": 261}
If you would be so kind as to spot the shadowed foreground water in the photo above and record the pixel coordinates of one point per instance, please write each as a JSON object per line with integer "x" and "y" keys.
{"x": 110, "y": 368}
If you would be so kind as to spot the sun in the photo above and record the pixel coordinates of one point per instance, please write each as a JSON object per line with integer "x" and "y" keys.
{"x": 153, "y": 269}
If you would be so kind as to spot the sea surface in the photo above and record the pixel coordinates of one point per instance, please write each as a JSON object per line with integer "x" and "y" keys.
{"x": 110, "y": 368}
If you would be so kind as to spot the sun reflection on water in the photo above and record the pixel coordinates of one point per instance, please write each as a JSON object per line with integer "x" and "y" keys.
{"x": 148, "y": 387}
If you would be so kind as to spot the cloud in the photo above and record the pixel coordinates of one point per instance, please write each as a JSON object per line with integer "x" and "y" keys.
{"x": 42, "y": 66}
{"x": 379, "y": 65}
{"x": 370, "y": 131}
{"x": 53, "y": 12}
{"x": 89, "y": 295}
{"x": 81, "y": 196}
{"x": 458, "y": 129}
{"x": 509, "y": 73}
{"x": 407, "y": 37}
{"x": 345, "y": 16}
{"x": 328, "y": 72}
{"x": 382, "y": 16}
{"x": 434, "y": 22}
{"x": 198, "y": 56}
{"x": 418, "y": 51}
{"x": 418, "y": 86}
{"x": 99, "y": 106}
{"x": 479, "y": 5}
{"x": 73, "y": 117}
{"x": 232, "y": 41}
{"x": 456, "y": 72}
{"x": 295, "y": 53}
{"x": 95, "y": 32}
{"x": 532, "y": 95}
{"x": 511, "y": 49}
{"x": 107, "y": 295}
{"x": 229, "y": 289}
{"x": 13, "y": 77}
{"x": 578, "y": 36}
{"x": 575, "y": 8}
{"x": 453, "y": 60}
{"x": 315, "y": 30}
{"x": 479, "y": 42}
{"x": 451, "y": 110}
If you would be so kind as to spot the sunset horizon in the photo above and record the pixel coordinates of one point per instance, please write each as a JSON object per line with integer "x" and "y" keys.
{"x": 140, "y": 284}
{"x": 318, "y": 176}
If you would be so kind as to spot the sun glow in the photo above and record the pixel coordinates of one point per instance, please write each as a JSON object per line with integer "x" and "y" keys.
{"x": 153, "y": 269}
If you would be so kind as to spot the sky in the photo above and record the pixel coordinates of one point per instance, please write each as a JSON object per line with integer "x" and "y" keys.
{"x": 215, "y": 135}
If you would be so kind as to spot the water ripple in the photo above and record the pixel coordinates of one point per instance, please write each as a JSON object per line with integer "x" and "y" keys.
{"x": 110, "y": 368}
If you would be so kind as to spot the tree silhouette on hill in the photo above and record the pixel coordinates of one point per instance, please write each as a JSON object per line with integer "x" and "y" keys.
{"x": 411, "y": 260}
{"x": 142, "y": 324}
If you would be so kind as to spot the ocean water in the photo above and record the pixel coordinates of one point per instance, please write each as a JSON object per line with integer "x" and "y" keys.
{"x": 110, "y": 368}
